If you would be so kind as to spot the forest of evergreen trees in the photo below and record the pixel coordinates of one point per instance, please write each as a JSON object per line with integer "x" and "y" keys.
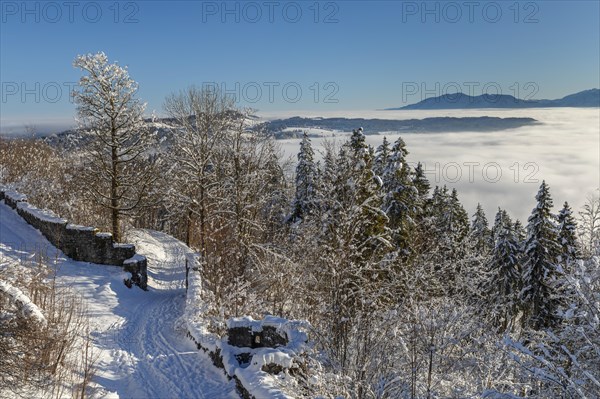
{"x": 407, "y": 294}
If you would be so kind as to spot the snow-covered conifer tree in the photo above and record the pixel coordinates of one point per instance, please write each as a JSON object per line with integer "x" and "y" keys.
{"x": 381, "y": 157}
{"x": 306, "y": 181}
{"x": 520, "y": 233}
{"x": 401, "y": 202}
{"x": 567, "y": 237}
{"x": 504, "y": 281}
{"x": 421, "y": 182}
{"x": 540, "y": 274}
{"x": 480, "y": 231}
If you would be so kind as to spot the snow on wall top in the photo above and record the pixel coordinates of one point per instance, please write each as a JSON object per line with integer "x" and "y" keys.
{"x": 44, "y": 215}
{"x": 134, "y": 259}
{"x": 78, "y": 246}
{"x": 14, "y": 196}
{"x": 120, "y": 245}
{"x": 293, "y": 329}
{"x": 71, "y": 226}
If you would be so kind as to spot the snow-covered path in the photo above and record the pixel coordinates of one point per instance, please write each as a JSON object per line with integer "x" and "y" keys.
{"x": 142, "y": 352}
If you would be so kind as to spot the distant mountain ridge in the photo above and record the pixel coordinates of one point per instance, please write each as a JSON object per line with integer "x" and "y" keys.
{"x": 280, "y": 128}
{"x": 583, "y": 99}
{"x": 293, "y": 127}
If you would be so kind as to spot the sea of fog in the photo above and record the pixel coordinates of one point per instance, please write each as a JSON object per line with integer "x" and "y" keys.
{"x": 497, "y": 169}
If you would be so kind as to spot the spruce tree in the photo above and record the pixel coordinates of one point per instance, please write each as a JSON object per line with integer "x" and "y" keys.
{"x": 422, "y": 184}
{"x": 277, "y": 202}
{"x": 401, "y": 197}
{"x": 480, "y": 232}
{"x": 447, "y": 237}
{"x": 501, "y": 221}
{"x": 370, "y": 224}
{"x": 355, "y": 240}
{"x": 504, "y": 283}
{"x": 567, "y": 237}
{"x": 540, "y": 275}
{"x": 520, "y": 233}
{"x": 306, "y": 184}
{"x": 459, "y": 219}
{"x": 356, "y": 199}
{"x": 381, "y": 157}
{"x": 327, "y": 184}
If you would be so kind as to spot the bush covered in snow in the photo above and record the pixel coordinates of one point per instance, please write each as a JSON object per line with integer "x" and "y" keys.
{"x": 43, "y": 335}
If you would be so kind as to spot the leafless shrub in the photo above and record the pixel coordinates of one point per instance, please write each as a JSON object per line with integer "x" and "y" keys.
{"x": 53, "y": 359}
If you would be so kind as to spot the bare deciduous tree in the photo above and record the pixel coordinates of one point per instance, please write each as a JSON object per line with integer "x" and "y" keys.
{"x": 589, "y": 225}
{"x": 203, "y": 117}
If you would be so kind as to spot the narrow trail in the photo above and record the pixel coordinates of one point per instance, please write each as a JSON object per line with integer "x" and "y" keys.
{"x": 142, "y": 350}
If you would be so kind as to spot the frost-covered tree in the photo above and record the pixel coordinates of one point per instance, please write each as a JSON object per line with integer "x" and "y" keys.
{"x": 276, "y": 200}
{"x": 567, "y": 237}
{"x": 564, "y": 361}
{"x": 589, "y": 225}
{"x": 245, "y": 186}
{"x": 422, "y": 185}
{"x": 445, "y": 237}
{"x": 501, "y": 222}
{"x": 107, "y": 108}
{"x": 480, "y": 231}
{"x": 456, "y": 219}
{"x": 370, "y": 221}
{"x": 520, "y": 232}
{"x": 504, "y": 283}
{"x": 401, "y": 201}
{"x": 382, "y": 155}
{"x": 327, "y": 179}
{"x": 354, "y": 216}
{"x": 540, "y": 272}
{"x": 424, "y": 220}
{"x": 352, "y": 240}
{"x": 203, "y": 117}
{"x": 306, "y": 182}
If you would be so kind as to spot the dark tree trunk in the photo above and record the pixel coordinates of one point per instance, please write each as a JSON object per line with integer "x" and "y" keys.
{"x": 114, "y": 186}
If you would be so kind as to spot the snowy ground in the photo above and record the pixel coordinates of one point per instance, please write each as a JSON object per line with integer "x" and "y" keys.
{"x": 142, "y": 351}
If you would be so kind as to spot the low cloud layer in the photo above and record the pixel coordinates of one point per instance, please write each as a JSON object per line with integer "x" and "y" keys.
{"x": 501, "y": 169}
{"x": 34, "y": 126}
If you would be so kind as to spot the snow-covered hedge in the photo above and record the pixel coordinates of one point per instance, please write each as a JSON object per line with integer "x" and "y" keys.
{"x": 259, "y": 354}
{"x": 79, "y": 242}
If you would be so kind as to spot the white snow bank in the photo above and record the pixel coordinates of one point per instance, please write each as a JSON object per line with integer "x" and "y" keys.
{"x": 26, "y": 308}
{"x": 195, "y": 310}
{"x": 260, "y": 385}
{"x": 266, "y": 356}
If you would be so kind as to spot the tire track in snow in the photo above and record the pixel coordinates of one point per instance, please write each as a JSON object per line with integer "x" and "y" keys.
{"x": 169, "y": 365}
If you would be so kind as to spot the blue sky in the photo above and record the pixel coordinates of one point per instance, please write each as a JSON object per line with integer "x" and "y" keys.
{"x": 336, "y": 55}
